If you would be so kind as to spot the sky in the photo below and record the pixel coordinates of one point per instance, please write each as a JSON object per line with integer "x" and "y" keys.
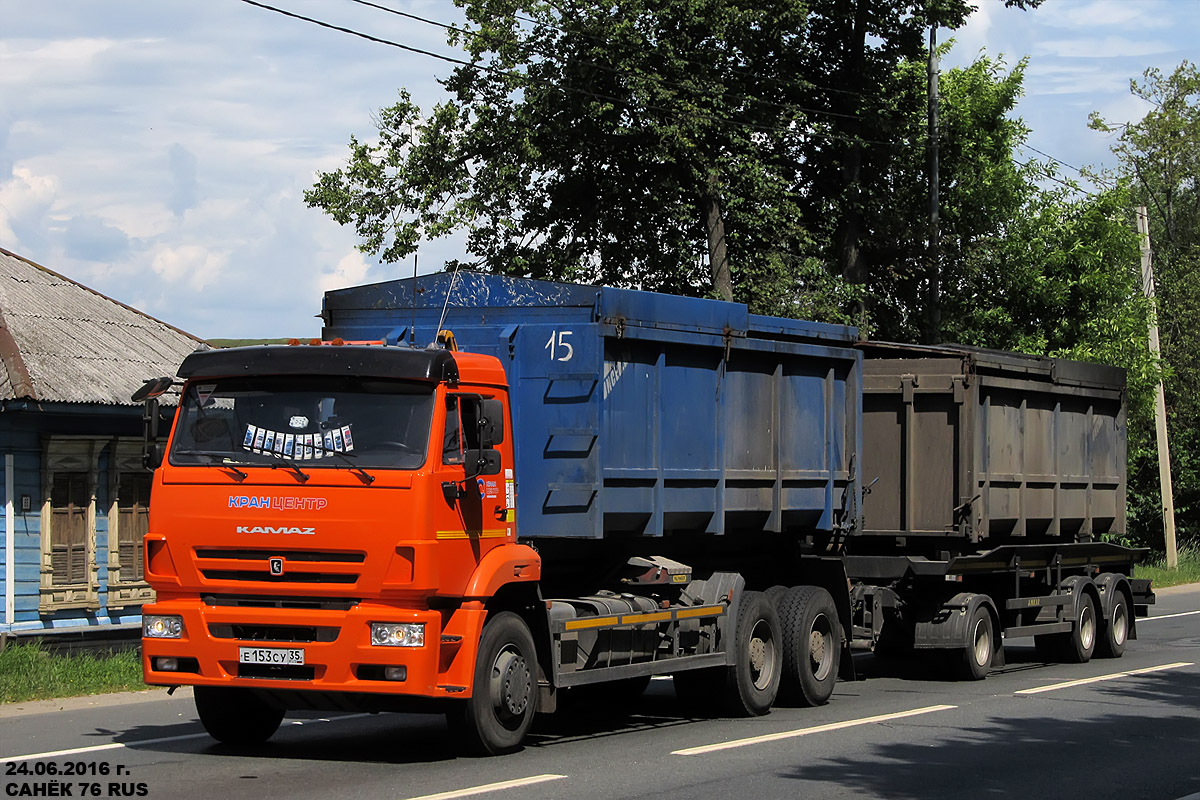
{"x": 157, "y": 151}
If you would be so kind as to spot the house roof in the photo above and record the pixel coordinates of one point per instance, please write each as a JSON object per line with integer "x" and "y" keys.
{"x": 63, "y": 342}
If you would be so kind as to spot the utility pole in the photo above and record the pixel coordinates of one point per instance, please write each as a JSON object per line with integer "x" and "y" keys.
{"x": 933, "y": 301}
{"x": 1160, "y": 402}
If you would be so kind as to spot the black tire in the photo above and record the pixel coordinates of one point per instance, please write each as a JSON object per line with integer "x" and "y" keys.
{"x": 1076, "y": 646}
{"x": 1116, "y": 629}
{"x": 775, "y": 593}
{"x": 752, "y": 682}
{"x": 495, "y": 719}
{"x": 236, "y": 716}
{"x": 812, "y": 646}
{"x": 973, "y": 662}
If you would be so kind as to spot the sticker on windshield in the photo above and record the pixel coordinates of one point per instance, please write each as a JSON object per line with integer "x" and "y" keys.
{"x": 337, "y": 439}
{"x": 347, "y": 438}
{"x": 298, "y": 422}
{"x": 204, "y": 391}
{"x": 269, "y": 441}
{"x": 259, "y": 436}
{"x": 289, "y": 444}
{"x": 248, "y": 442}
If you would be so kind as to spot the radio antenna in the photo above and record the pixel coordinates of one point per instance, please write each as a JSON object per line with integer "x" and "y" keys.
{"x": 412, "y": 330}
{"x": 449, "y": 292}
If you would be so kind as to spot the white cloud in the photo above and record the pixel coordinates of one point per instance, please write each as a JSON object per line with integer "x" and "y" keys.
{"x": 1126, "y": 14}
{"x": 191, "y": 265}
{"x": 351, "y": 270}
{"x": 1107, "y": 47}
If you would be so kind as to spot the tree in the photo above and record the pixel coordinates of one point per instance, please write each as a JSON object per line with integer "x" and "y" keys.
{"x": 692, "y": 146}
{"x": 1160, "y": 157}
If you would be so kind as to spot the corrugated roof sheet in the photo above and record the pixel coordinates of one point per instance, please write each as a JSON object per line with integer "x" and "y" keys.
{"x": 63, "y": 342}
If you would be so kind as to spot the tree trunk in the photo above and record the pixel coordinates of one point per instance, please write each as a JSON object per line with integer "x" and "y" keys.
{"x": 849, "y": 233}
{"x": 718, "y": 258}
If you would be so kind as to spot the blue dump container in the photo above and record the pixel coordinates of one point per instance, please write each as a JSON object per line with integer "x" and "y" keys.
{"x": 638, "y": 413}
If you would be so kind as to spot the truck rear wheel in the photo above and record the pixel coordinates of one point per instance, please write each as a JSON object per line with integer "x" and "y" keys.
{"x": 1116, "y": 630}
{"x": 236, "y": 716}
{"x": 974, "y": 661}
{"x": 495, "y": 719}
{"x": 752, "y": 683}
{"x": 811, "y": 645}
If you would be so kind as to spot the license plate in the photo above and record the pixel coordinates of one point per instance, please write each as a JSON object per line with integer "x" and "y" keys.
{"x": 271, "y": 655}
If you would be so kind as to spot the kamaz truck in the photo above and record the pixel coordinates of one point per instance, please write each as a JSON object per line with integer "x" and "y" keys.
{"x": 571, "y": 485}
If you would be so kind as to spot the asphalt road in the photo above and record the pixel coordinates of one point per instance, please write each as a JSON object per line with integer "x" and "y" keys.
{"x": 1020, "y": 733}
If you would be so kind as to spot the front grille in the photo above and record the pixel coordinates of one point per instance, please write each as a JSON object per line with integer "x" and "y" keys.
{"x": 298, "y": 566}
{"x": 282, "y": 672}
{"x": 274, "y": 633}
{"x": 267, "y": 577}
{"x": 288, "y": 555}
{"x": 308, "y": 603}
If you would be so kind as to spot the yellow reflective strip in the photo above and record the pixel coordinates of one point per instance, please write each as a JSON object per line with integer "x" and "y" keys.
{"x": 492, "y": 534}
{"x": 590, "y": 622}
{"x": 638, "y": 619}
{"x": 702, "y": 611}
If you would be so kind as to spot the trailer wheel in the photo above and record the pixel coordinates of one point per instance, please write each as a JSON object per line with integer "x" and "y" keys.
{"x": 495, "y": 719}
{"x": 812, "y": 645}
{"x": 1116, "y": 631}
{"x": 752, "y": 683}
{"x": 236, "y": 716}
{"x": 975, "y": 659}
{"x": 1077, "y": 646}
{"x": 775, "y": 594}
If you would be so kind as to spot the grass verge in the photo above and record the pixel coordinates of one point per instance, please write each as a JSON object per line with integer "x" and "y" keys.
{"x": 30, "y": 672}
{"x": 1156, "y": 568}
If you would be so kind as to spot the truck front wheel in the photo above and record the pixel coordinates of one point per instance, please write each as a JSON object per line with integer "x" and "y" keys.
{"x": 500, "y": 710}
{"x": 236, "y": 716}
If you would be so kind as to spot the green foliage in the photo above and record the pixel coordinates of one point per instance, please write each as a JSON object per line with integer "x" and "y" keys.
{"x": 30, "y": 672}
{"x": 1160, "y": 159}
{"x": 1156, "y": 570}
{"x": 586, "y": 142}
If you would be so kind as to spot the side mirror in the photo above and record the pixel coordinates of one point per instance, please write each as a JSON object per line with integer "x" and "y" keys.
{"x": 491, "y": 423}
{"x": 481, "y": 462}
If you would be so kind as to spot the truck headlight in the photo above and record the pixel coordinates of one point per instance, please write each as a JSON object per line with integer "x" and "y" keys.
{"x": 162, "y": 626}
{"x": 398, "y": 634}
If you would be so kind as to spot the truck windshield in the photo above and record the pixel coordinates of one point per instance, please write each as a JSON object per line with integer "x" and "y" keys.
{"x": 314, "y": 421}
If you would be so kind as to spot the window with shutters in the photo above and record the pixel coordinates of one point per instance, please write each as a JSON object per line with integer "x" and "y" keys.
{"x": 133, "y": 522}
{"x": 70, "y": 574}
{"x": 128, "y": 513}
{"x": 69, "y": 502}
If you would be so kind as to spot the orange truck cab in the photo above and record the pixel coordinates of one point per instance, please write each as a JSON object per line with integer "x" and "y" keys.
{"x": 338, "y": 516}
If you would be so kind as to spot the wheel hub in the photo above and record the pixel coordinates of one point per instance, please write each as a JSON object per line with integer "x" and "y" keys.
{"x": 511, "y": 687}
{"x": 758, "y": 655}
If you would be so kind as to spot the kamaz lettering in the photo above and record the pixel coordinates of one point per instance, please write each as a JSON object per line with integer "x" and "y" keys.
{"x": 273, "y": 529}
{"x": 278, "y": 503}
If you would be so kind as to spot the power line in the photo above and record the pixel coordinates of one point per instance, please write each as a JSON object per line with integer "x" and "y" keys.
{"x": 614, "y": 70}
{"x": 551, "y": 85}
{"x": 1082, "y": 174}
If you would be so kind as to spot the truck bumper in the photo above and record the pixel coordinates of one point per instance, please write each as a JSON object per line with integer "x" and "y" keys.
{"x": 336, "y": 649}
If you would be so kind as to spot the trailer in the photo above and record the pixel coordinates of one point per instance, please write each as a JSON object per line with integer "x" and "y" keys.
{"x": 996, "y": 480}
{"x": 475, "y": 493}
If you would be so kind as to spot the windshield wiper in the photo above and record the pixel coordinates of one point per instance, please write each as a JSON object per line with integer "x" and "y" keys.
{"x": 279, "y": 462}
{"x": 363, "y": 475}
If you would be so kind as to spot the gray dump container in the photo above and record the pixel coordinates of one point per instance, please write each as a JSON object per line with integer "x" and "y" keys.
{"x": 967, "y": 446}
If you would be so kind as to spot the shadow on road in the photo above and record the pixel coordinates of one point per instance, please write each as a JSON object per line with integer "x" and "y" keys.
{"x": 1124, "y": 752}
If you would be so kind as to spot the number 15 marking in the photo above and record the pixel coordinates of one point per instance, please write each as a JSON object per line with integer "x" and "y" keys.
{"x": 560, "y": 349}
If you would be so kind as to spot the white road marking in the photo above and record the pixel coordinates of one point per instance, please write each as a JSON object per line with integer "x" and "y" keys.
{"x": 832, "y": 726}
{"x": 490, "y": 787}
{"x": 1168, "y": 616}
{"x": 140, "y": 742}
{"x": 1099, "y": 678}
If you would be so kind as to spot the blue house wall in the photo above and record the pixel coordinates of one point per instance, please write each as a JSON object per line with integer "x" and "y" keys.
{"x": 25, "y": 429}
